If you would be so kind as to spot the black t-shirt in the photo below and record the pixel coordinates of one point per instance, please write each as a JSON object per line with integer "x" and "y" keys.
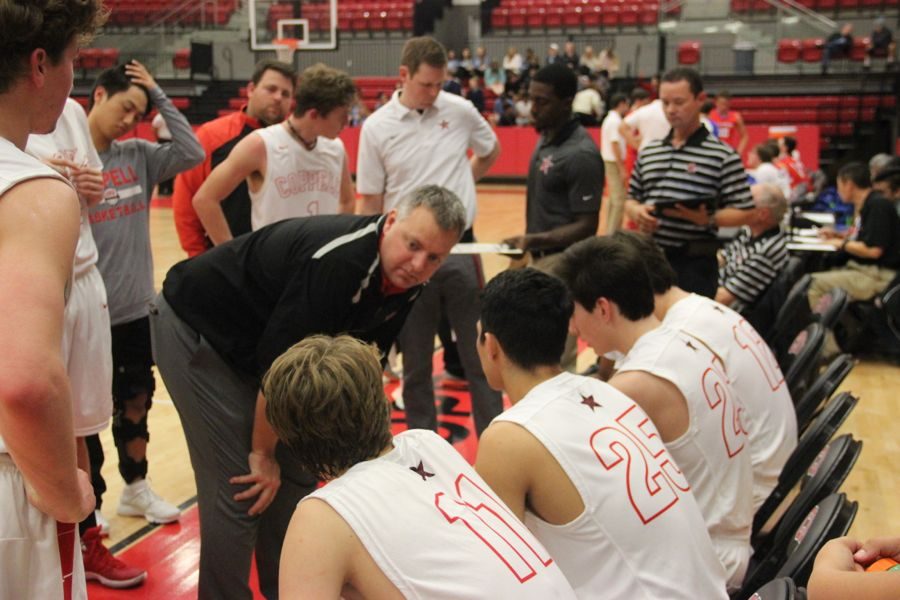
{"x": 257, "y": 295}
{"x": 879, "y": 228}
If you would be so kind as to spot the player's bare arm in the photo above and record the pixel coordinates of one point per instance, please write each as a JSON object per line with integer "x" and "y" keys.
{"x": 372, "y": 204}
{"x": 348, "y": 193}
{"x": 482, "y": 164}
{"x": 246, "y": 161}
{"x": 660, "y": 399}
{"x": 35, "y": 406}
{"x": 264, "y": 477}
{"x": 502, "y": 462}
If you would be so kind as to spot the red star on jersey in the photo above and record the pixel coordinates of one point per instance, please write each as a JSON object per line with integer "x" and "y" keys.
{"x": 590, "y": 402}
{"x": 546, "y": 164}
{"x": 421, "y": 472}
{"x": 445, "y": 124}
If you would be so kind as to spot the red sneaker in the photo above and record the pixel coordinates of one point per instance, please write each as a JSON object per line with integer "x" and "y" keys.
{"x": 100, "y": 565}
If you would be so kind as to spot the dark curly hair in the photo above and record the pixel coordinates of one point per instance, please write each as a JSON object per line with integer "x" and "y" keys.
{"x": 26, "y": 25}
{"x": 325, "y": 401}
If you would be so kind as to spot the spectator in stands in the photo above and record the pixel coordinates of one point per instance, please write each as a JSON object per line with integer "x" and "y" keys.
{"x": 480, "y": 62}
{"x": 475, "y": 94}
{"x": 358, "y": 113}
{"x": 789, "y": 161}
{"x": 888, "y": 181}
{"x": 877, "y": 163}
{"x": 588, "y": 106}
{"x": 553, "y": 56}
{"x": 645, "y": 123}
{"x": 608, "y": 61}
{"x": 512, "y": 60}
{"x": 872, "y": 247}
{"x": 523, "y": 108}
{"x": 837, "y": 45}
{"x": 495, "y": 78}
{"x": 731, "y": 126}
{"x": 840, "y": 570}
{"x": 452, "y": 62}
{"x": 452, "y": 83}
{"x": 752, "y": 261}
{"x": 380, "y": 101}
{"x": 612, "y": 150}
{"x": 565, "y": 178}
{"x": 529, "y": 61}
{"x": 570, "y": 56}
{"x": 704, "y": 118}
{"x": 466, "y": 65}
{"x": 505, "y": 110}
{"x": 881, "y": 43}
{"x": 688, "y": 166}
{"x": 513, "y": 83}
{"x": 761, "y": 167}
{"x": 590, "y": 62}
{"x": 269, "y": 95}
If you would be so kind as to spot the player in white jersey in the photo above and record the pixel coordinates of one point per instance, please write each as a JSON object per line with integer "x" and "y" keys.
{"x": 296, "y": 168}
{"x": 679, "y": 383}
{"x": 403, "y": 517}
{"x": 581, "y": 463}
{"x": 87, "y": 347}
{"x": 752, "y": 368}
{"x": 42, "y": 491}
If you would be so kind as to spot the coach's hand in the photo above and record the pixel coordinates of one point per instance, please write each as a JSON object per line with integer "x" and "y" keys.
{"x": 264, "y": 479}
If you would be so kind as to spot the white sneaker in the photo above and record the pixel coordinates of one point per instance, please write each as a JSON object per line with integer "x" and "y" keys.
{"x": 138, "y": 500}
{"x": 102, "y": 523}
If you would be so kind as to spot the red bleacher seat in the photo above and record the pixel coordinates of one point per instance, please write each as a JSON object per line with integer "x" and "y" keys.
{"x": 534, "y": 18}
{"x": 500, "y": 17}
{"x": 649, "y": 14}
{"x": 182, "y": 59}
{"x": 688, "y": 53}
{"x": 554, "y": 16}
{"x": 848, "y": 4}
{"x": 629, "y": 15}
{"x": 591, "y": 15}
{"x": 858, "y": 49}
{"x": 788, "y": 51}
{"x": 90, "y": 58}
{"x": 740, "y": 6}
{"x": 811, "y": 50}
{"x": 109, "y": 57}
{"x": 517, "y": 18}
{"x": 826, "y": 4}
{"x": 573, "y": 17}
{"x": 609, "y": 15}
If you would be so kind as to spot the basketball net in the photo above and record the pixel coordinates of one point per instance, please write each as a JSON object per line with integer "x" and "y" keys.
{"x": 285, "y": 48}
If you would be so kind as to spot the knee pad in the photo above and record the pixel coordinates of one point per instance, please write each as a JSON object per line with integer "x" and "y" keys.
{"x": 130, "y": 381}
{"x": 125, "y": 431}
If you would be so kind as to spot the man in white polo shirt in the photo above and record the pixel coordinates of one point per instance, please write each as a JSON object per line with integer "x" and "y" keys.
{"x": 422, "y": 137}
{"x": 613, "y": 150}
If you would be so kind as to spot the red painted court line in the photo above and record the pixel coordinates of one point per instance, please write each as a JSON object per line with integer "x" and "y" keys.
{"x": 171, "y": 553}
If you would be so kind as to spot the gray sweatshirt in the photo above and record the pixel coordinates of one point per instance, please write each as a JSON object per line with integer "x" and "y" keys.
{"x": 121, "y": 221}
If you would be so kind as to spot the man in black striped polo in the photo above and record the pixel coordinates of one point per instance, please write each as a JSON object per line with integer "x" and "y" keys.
{"x": 701, "y": 180}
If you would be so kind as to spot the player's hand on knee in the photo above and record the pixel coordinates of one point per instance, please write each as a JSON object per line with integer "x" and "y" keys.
{"x": 264, "y": 480}
{"x": 838, "y": 555}
{"x": 877, "y": 548}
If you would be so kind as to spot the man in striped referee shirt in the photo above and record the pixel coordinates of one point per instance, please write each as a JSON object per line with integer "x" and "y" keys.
{"x": 749, "y": 263}
{"x": 691, "y": 166}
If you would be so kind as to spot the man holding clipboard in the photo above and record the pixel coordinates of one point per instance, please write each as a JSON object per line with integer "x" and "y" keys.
{"x": 688, "y": 184}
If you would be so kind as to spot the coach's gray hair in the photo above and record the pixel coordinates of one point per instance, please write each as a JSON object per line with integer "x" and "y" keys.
{"x": 878, "y": 162}
{"x": 446, "y": 207}
{"x": 767, "y": 195}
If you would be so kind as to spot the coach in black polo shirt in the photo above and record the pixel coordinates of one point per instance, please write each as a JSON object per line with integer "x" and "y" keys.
{"x": 688, "y": 165}
{"x": 565, "y": 176}
{"x": 224, "y": 316}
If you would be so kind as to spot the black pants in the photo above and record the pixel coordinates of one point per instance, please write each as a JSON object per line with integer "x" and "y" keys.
{"x": 697, "y": 274}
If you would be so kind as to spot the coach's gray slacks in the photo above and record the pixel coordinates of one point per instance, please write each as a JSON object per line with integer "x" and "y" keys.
{"x": 455, "y": 285}
{"x": 216, "y": 405}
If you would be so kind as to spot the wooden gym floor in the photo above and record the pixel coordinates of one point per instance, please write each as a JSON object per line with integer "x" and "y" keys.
{"x": 501, "y": 213}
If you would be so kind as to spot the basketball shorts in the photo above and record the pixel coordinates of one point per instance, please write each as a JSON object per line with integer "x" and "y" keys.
{"x": 39, "y": 559}
{"x": 87, "y": 354}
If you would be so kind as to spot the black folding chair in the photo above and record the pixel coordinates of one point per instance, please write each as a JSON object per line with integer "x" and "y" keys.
{"x": 830, "y": 519}
{"x": 822, "y": 389}
{"x": 782, "y": 588}
{"x": 823, "y": 477}
{"x": 826, "y": 474}
{"x": 802, "y": 359}
{"x": 763, "y": 313}
{"x": 830, "y": 307}
{"x": 808, "y": 447}
{"x": 792, "y": 317}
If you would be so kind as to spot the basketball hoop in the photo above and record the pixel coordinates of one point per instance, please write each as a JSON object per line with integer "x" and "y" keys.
{"x": 285, "y": 48}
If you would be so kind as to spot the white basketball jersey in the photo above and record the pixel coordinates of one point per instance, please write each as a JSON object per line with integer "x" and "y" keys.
{"x": 298, "y": 182}
{"x": 71, "y": 140}
{"x": 713, "y": 453}
{"x": 435, "y": 528}
{"x": 752, "y": 368}
{"x": 16, "y": 167}
{"x": 641, "y": 535}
